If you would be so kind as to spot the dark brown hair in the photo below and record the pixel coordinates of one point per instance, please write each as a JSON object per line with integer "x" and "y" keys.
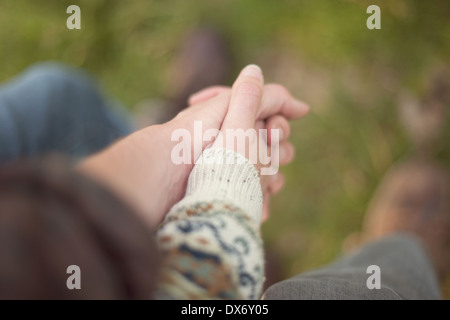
{"x": 52, "y": 217}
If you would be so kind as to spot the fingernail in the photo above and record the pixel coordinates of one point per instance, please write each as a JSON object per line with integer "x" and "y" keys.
{"x": 252, "y": 70}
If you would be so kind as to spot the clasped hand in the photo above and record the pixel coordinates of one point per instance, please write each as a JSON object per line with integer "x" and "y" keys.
{"x": 139, "y": 168}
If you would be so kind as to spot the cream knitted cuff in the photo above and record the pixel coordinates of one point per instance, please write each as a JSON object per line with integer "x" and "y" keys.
{"x": 225, "y": 175}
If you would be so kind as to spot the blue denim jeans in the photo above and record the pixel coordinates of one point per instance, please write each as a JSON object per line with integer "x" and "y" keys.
{"x": 54, "y": 108}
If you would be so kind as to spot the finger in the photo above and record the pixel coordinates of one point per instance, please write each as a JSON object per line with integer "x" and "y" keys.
{"x": 266, "y": 207}
{"x": 246, "y": 95}
{"x": 277, "y": 100}
{"x": 286, "y": 153}
{"x": 280, "y": 123}
{"x": 276, "y": 184}
{"x": 215, "y": 107}
{"x": 207, "y": 94}
{"x": 259, "y": 125}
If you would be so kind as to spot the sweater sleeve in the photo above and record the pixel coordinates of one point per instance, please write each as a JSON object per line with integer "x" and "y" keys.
{"x": 210, "y": 240}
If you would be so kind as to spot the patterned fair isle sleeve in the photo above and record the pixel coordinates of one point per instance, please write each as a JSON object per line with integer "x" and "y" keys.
{"x": 210, "y": 240}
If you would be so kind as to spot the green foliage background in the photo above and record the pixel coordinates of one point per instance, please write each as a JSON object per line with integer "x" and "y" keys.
{"x": 320, "y": 49}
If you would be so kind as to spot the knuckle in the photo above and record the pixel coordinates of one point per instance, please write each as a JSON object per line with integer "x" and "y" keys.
{"x": 281, "y": 122}
{"x": 281, "y": 90}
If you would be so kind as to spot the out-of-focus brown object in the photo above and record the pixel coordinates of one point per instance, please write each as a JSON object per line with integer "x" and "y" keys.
{"x": 424, "y": 119}
{"x": 414, "y": 197}
{"x": 203, "y": 60}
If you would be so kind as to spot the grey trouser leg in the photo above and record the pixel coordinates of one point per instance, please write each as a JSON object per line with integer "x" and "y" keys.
{"x": 405, "y": 273}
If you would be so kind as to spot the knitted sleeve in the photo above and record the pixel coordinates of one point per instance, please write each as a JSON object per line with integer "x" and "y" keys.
{"x": 210, "y": 240}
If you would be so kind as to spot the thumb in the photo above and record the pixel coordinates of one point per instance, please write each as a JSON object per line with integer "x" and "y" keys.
{"x": 246, "y": 96}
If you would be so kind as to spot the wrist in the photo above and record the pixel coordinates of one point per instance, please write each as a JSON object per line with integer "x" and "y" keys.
{"x": 167, "y": 178}
{"x": 139, "y": 170}
{"x": 226, "y": 176}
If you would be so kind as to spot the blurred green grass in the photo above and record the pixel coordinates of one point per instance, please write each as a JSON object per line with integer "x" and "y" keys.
{"x": 321, "y": 50}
